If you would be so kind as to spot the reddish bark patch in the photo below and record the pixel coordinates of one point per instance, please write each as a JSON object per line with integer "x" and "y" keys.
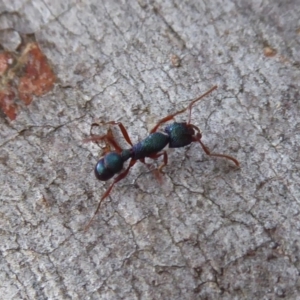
{"x": 25, "y": 75}
{"x": 38, "y": 77}
{"x": 7, "y": 103}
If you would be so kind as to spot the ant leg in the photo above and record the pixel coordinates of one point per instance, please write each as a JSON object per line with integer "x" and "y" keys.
{"x": 197, "y": 138}
{"x": 108, "y": 138}
{"x": 123, "y": 130}
{"x": 117, "y": 179}
{"x": 143, "y": 161}
{"x": 154, "y": 170}
{"x": 219, "y": 155}
{"x": 170, "y": 117}
{"x": 197, "y": 99}
{"x": 157, "y": 155}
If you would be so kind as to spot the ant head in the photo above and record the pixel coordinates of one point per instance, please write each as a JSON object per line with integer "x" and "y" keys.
{"x": 190, "y": 129}
{"x": 194, "y": 131}
{"x": 180, "y": 134}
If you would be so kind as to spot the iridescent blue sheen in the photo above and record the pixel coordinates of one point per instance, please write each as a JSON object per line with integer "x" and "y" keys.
{"x": 126, "y": 154}
{"x": 180, "y": 134}
{"x": 152, "y": 144}
{"x": 108, "y": 166}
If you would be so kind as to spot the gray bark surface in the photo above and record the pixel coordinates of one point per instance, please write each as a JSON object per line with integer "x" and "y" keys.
{"x": 209, "y": 231}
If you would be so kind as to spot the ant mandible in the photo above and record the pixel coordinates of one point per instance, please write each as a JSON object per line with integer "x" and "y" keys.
{"x": 175, "y": 135}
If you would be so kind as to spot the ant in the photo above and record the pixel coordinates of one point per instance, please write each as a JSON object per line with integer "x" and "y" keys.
{"x": 176, "y": 135}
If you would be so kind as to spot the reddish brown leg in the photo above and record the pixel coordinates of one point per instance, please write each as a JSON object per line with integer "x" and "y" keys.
{"x": 157, "y": 155}
{"x": 197, "y": 99}
{"x": 206, "y": 150}
{"x": 106, "y": 194}
{"x": 144, "y": 162}
{"x": 154, "y": 170}
{"x": 123, "y": 130}
{"x": 198, "y": 137}
{"x": 108, "y": 138}
{"x": 170, "y": 117}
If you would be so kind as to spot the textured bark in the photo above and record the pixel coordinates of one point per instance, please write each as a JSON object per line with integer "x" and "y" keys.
{"x": 209, "y": 231}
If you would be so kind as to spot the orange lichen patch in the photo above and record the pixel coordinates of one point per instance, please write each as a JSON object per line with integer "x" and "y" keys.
{"x": 25, "y": 74}
{"x": 269, "y": 52}
{"x": 7, "y": 103}
{"x": 38, "y": 77}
